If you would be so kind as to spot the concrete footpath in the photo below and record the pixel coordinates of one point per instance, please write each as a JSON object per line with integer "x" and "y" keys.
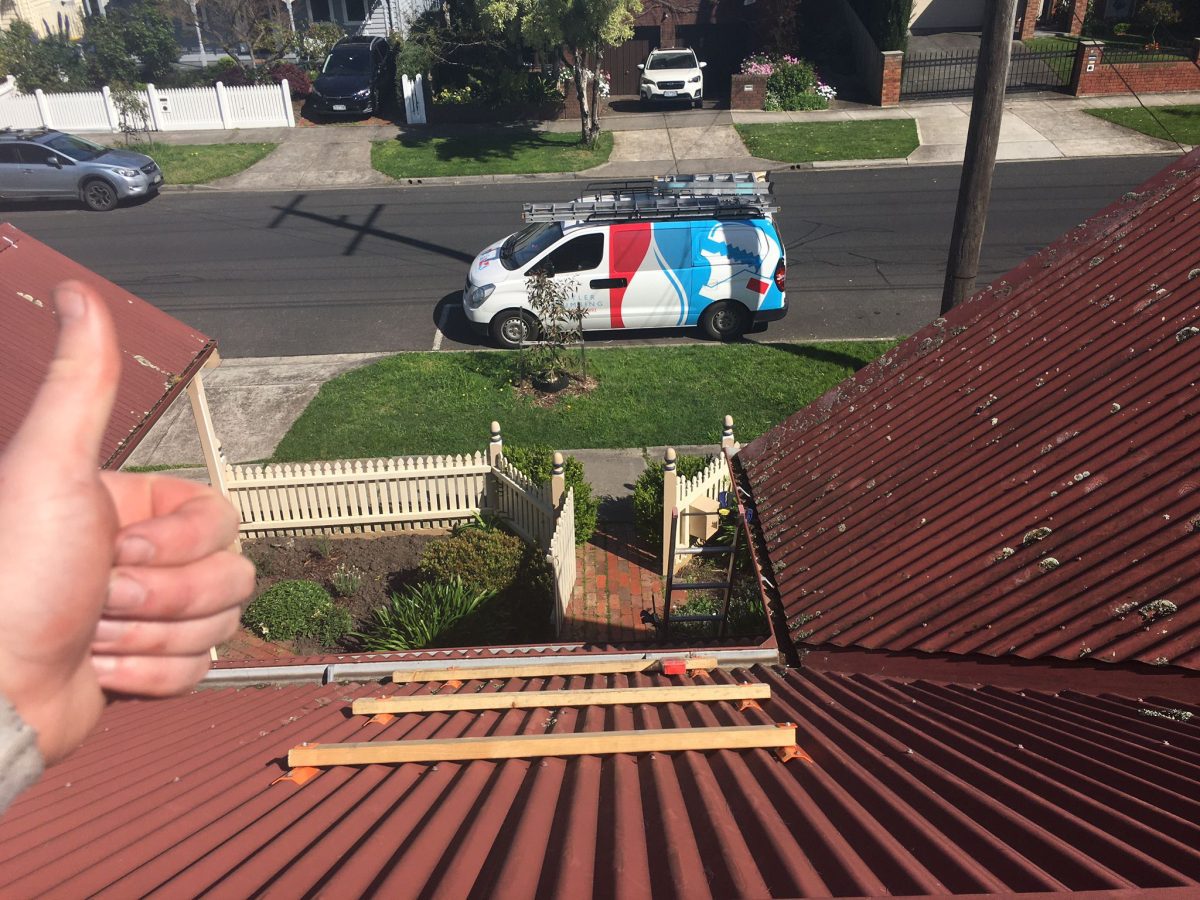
{"x": 1035, "y": 127}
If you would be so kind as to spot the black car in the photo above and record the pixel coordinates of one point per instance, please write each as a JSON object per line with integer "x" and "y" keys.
{"x": 358, "y": 75}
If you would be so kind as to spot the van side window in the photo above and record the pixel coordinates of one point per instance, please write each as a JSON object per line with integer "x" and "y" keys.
{"x": 578, "y": 254}
{"x": 8, "y": 153}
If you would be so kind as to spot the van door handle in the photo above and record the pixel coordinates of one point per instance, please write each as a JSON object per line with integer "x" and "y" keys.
{"x": 609, "y": 282}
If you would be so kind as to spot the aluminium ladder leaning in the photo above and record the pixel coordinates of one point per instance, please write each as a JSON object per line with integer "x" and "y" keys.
{"x": 726, "y": 587}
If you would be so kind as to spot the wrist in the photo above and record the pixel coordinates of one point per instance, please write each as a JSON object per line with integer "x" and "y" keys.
{"x": 20, "y": 760}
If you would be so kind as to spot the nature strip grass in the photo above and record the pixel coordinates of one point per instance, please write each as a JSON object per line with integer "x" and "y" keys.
{"x": 830, "y": 141}
{"x": 201, "y": 163}
{"x": 1182, "y": 122}
{"x": 427, "y": 403}
{"x": 498, "y": 151}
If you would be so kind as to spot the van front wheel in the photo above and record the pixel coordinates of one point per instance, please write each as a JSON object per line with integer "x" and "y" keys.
{"x": 724, "y": 321}
{"x": 514, "y": 327}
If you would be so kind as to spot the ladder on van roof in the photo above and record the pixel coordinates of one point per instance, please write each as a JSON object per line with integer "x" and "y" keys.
{"x": 652, "y": 207}
{"x": 718, "y": 183}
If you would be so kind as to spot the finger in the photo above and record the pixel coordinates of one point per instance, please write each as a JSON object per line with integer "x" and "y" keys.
{"x": 66, "y": 423}
{"x": 220, "y": 581}
{"x": 150, "y": 676}
{"x": 139, "y": 496}
{"x": 202, "y": 525}
{"x": 131, "y": 637}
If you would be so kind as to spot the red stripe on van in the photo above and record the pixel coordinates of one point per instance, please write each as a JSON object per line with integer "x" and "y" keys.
{"x": 627, "y": 249}
{"x": 757, "y": 285}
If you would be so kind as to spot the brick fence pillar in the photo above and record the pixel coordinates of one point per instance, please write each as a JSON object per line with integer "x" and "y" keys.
{"x": 889, "y": 79}
{"x": 1088, "y": 58}
{"x": 748, "y": 92}
{"x": 1077, "y": 10}
{"x": 1027, "y": 16}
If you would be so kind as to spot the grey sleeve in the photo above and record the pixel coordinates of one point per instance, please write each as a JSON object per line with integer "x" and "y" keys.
{"x": 20, "y": 761}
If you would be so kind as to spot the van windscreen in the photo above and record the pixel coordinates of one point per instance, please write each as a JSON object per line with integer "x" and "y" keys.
{"x": 528, "y": 243}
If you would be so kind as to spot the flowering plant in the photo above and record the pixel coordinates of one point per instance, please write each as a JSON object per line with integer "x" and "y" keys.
{"x": 792, "y": 83}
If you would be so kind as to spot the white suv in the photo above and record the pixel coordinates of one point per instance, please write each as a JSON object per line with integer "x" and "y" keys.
{"x": 672, "y": 75}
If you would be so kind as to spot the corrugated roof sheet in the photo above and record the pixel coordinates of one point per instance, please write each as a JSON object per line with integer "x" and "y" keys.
{"x": 1020, "y": 477}
{"x": 916, "y": 788}
{"x": 159, "y": 354}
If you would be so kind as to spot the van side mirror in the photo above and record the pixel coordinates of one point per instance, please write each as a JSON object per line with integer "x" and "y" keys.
{"x": 641, "y": 65}
{"x": 54, "y": 162}
{"x": 703, "y": 64}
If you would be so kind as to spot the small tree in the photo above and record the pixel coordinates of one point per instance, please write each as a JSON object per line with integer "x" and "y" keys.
{"x": 1155, "y": 13}
{"x": 561, "y": 327}
{"x": 133, "y": 115}
{"x": 130, "y": 44}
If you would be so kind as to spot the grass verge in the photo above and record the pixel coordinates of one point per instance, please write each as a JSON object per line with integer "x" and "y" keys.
{"x": 825, "y": 141}
{"x": 201, "y": 163}
{"x": 502, "y": 151}
{"x": 419, "y": 403}
{"x": 1182, "y": 123}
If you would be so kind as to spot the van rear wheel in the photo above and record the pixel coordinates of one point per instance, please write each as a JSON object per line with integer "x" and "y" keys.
{"x": 725, "y": 321}
{"x": 514, "y": 327}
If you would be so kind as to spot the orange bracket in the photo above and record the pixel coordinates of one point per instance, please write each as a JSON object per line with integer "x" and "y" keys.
{"x": 454, "y": 683}
{"x": 744, "y": 705}
{"x": 381, "y": 719}
{"x": 299, "y": 776}
{"x": 787, "y": 754}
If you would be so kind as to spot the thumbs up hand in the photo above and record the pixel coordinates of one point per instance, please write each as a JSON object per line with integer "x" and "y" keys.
{"x": 114, "y": 583}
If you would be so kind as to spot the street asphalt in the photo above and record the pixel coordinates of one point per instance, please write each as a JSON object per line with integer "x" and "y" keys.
{"x": 256, "y": 400}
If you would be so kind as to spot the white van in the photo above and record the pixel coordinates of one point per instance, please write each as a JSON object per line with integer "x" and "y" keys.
{"x": 665, "y": 253}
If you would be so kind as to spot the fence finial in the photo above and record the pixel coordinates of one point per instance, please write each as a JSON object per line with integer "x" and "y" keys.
{"x": 558, "y": 480}
{"x": 669, "y": 459}
{"x": 670, "y": 498}
{"x": 495, "y": 445}
{"x": 727, "y": 433}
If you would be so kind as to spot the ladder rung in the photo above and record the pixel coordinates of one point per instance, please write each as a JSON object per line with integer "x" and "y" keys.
{"x": 704, "y": 551}
{"x": 713, "y": 618}
{"x": 702, "y": 586}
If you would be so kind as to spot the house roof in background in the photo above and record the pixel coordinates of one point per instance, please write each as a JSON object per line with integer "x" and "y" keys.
{"x": 915, "y": 788}
{"x": 159, "y": 354}
{"x": 1018, "y": 478}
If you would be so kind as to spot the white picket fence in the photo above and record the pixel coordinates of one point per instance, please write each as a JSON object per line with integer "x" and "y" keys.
{"x": 698, "y": 494}
{"x": 361, "y": 495}
{"x": 172, "y": 109}
{"x": 525, "y": 506}
{"x": 561, "y": 558}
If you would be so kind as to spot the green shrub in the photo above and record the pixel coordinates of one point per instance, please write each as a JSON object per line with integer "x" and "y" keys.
{"x": 485, "y": 560}
{"x": 537, "y": 462}
{"x": 420, "y": 615}
{"x": 297, "y": 609}
{"x": 648, "y": 495}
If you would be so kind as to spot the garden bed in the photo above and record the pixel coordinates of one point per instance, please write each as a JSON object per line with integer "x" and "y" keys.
{"x": 383, "y": 565}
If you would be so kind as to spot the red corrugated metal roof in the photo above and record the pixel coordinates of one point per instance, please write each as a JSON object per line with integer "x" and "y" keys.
{"x": 916, "y": 788}
{"x": 1021, "y": 476}
{"x": 159, "y": 354}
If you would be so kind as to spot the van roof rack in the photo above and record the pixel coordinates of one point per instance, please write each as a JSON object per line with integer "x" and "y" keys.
{"x": 718, "y": 183}
{"x": 651, "y": 207}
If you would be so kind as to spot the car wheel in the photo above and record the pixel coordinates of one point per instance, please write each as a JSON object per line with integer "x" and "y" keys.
{"x": 699, "y": 102}
{"x": 514, "y": 327}
{"x": 99, "y": 195}
{"x": 724, "y": 321}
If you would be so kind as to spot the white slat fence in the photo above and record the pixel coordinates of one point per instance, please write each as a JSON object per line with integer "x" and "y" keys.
{"x": 525, "y": 506}
{"x": 683, "y": 494}
{"x": 561, "y": 559}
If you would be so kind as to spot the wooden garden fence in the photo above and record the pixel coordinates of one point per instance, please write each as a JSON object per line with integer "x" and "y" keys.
{"x": 561, "y": 559}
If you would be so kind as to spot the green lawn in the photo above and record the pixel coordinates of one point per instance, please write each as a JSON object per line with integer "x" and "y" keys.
{"x": 418, "y": 403}
{"x": 822, "y": 141}
{"x": 201, "y": 163}
{"x": 1182, "y": 123}
{"x": 499, "y": 151}
{"x": 1061, "y": 66}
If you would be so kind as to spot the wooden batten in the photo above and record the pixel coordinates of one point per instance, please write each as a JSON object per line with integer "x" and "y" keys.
{"x": 545, "y": 669}
{"x": 737, "y": 737}
{"x": 701, "y": 693}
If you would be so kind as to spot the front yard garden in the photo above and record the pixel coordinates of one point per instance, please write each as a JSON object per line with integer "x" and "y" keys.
{"x": 1168, "y": 123}
{"x": 498, "y": 151}
{"x": 420, "y": 403}
{"x": 202, "y": 163}
{"x": 798, "y": 142}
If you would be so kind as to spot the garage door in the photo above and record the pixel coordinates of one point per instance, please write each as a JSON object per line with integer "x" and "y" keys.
{"x": 622, "y": 62}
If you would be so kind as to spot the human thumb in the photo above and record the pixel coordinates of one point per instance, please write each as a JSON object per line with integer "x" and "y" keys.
{"x": 65, "y": 426}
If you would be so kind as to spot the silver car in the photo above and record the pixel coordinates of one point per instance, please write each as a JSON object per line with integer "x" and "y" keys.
{"x": 44, "y": 164}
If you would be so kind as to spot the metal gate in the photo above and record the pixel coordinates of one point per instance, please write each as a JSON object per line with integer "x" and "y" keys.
{"x": 929, "y": 75}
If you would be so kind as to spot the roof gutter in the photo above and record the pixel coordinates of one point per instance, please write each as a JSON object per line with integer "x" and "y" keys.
{"x": 320, "y": 673}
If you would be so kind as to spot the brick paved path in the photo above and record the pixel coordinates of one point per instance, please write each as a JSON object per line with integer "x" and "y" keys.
{"x": 617, "y": 578}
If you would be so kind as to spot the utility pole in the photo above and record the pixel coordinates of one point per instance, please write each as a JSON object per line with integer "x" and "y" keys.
{"x": 983, "y": 135}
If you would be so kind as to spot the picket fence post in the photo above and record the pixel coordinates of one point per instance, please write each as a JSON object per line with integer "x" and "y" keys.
{"x": 43, "y": 108}
{"x": 670, "y": 500}
{"x": 223, "y": 104}
{"x": 288, "y": 112}
{"x": 152, "y": 100}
